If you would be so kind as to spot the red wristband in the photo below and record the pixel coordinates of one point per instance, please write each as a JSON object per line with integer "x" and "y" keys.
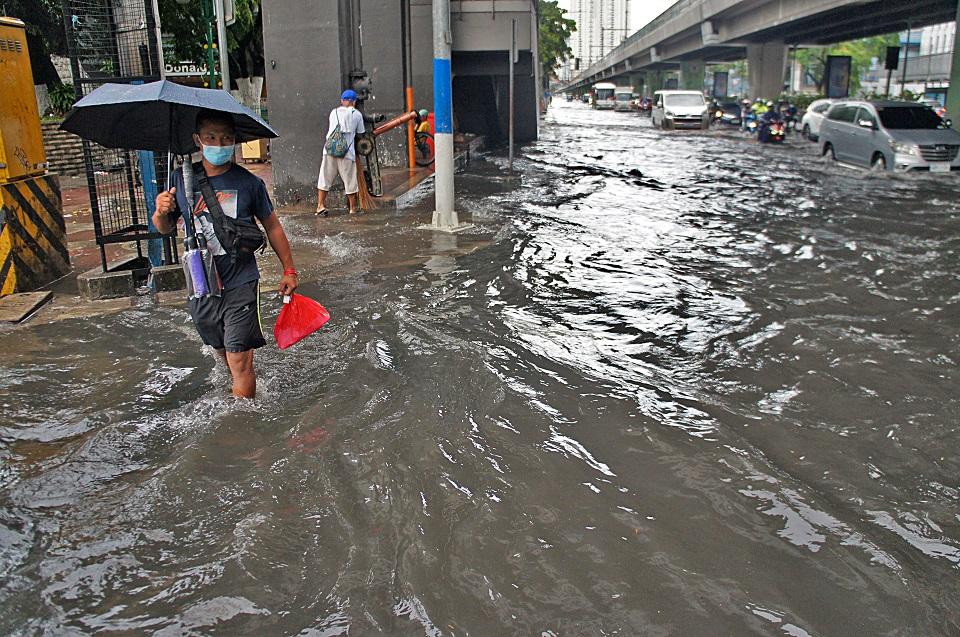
{"x": 291, "y": 272}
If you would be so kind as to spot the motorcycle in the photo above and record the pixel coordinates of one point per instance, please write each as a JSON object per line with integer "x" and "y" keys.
{"x": 774, "y": 132}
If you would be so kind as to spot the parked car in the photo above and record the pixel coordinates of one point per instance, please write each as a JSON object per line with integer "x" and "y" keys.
{"x": 680, "y": 109}
{"x": 901, "y": 136}
{"x": 810, "y": 123}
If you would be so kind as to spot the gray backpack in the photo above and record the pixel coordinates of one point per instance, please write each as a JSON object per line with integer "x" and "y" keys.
{"x": 337, "y": 145}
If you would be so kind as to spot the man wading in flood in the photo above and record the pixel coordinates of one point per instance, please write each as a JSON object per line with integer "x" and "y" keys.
{"x": 229, "y": 323}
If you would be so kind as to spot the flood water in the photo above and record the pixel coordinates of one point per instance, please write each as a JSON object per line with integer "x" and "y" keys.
{"x": 671, "y": 384}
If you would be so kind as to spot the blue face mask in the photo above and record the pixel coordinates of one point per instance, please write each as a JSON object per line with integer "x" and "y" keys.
{"x": 218, "y": 155}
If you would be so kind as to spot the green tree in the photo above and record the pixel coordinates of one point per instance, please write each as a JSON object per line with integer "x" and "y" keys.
{"x": 187, "y": 31}
{"x": 861, "y": 54}
{"x": 45, "y": 35}
{"x": 555, "y": 31}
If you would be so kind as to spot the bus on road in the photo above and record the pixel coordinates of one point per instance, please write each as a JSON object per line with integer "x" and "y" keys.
{"x": 603, "y": 95}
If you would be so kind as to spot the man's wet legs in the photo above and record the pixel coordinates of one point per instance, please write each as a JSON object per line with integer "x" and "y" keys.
{"x": 241, "y": 369}
{"x": 321, "y": 200}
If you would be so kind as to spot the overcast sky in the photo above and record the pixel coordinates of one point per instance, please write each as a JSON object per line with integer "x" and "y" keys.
{"x": 641, "y": 11}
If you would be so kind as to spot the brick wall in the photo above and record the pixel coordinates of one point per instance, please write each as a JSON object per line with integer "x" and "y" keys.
{"x": 64, "y": 151}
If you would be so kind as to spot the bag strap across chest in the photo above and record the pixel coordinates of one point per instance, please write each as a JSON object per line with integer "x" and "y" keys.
{"x": 211, "y": 200}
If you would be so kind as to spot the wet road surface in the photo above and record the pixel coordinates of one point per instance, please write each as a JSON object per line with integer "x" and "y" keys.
{"x": 672, "y": 384}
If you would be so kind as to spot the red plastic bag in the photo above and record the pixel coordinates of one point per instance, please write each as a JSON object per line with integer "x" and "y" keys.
{"x": 300, "y": 317}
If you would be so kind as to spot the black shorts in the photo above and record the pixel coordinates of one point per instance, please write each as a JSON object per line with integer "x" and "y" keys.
{"x": 231, "y": 321}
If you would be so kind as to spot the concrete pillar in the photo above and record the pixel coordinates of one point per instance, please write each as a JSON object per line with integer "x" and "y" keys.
{"x": 691, "y": 75}
{"x": 953, "y": 93}
{"x": 301, "y": 95}
{"x": 654, "y": 82}
{"x": 766, "y": 64}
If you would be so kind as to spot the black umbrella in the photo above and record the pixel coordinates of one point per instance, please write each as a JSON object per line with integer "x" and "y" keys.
{"x": 158, "y": 116}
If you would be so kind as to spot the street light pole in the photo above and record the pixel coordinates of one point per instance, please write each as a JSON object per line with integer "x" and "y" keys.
{"x": 513, "y": 60}
{"x": 206, "y": 12}
{"x": 222, "y": 44}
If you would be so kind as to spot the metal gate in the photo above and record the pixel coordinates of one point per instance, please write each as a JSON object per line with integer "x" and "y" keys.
{"x": 118, "y": 41}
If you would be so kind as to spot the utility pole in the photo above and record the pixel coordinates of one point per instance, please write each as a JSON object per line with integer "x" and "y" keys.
{"x": 906, "y": 57}
{"x": 444, "y": 216}
{"x": 207, "y": 14}
{"x": 222, "y": 45}
{"x": 513, "y": 59}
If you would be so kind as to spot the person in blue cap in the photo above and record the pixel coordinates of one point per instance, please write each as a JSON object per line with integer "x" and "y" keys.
{"x": 349, "y": 121}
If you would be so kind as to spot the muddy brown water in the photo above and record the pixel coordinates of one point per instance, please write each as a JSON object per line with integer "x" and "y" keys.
{"x": 671, "y": 384}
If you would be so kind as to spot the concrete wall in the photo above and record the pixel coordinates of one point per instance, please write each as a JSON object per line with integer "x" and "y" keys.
{"x": 383, "y": 61}
{"x": 64, "y": 151}
{"x": 303, "y": 61}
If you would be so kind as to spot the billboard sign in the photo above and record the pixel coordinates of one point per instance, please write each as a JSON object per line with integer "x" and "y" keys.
{"x": 720, "y": 81}
{"x": 837, "y": 73}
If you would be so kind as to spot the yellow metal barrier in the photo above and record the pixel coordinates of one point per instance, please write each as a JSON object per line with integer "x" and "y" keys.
{"x": 33, "y": 239}
{"x": 21, "y": 139}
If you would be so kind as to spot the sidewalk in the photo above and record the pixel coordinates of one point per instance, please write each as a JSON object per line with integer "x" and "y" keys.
{"x": 402, "y": 189}
{"x": 85, "y": 254}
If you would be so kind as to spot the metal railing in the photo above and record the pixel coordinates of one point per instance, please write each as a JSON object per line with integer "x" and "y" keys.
{"x": 117, "y": 41}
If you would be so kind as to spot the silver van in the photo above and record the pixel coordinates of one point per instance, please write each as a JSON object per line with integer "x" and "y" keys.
{"x": 900, "y": 136}
{"x": 680, "y": 109}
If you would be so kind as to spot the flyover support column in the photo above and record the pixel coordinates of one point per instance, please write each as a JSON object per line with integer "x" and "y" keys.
{"x": 766, "y": 64}
{"x": 654, "y": 82}
{"x": 691, "y": 75}
{"x": 953, "y": 93}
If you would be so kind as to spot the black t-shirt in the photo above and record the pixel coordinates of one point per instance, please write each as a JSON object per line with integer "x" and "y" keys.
{"x": 242, "y": 196}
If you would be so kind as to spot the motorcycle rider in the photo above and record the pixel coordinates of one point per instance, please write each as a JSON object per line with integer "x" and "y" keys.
{"x": 769, "y": 116}
{"x": 790, "y": 117}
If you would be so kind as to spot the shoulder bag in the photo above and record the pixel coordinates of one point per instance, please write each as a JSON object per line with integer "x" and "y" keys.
{"x": 240, "y": 239}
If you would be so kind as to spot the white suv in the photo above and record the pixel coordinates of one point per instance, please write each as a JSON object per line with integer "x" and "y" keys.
{"x": 812, "y": 118}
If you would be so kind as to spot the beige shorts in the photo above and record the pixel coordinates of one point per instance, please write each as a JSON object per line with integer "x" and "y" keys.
{"x": 330, "y": 167}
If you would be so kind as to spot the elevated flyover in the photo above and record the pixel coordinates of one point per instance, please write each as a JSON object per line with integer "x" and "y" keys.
{"x": 693, "y": 33}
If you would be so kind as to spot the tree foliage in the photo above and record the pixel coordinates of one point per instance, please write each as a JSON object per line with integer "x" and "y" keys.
{"x": 862, "y": 52}
{"x": 45, "y": 35}
{"x": 555, "y": 31}
{"x": 187, "y": 31}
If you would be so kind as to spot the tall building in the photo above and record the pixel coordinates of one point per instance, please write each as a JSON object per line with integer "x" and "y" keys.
{"x": 601, "y": 26}
{"x": 938, "y": 38}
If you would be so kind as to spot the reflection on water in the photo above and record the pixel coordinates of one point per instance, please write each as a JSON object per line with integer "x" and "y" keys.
{"x": 671, "y": 385}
